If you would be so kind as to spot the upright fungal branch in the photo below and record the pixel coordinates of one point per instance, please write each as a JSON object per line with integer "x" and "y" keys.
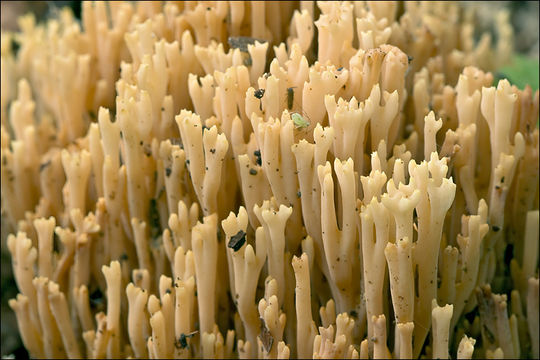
{"x": 309, "y": 157}
{"x": 205, "y": 248}
{"x": 333, "y": 342}
{"x": 340, "y": 244}
{"x": 305, "y": 326}
{"x": 436, "y": 194}
{"x": 274, "y": 224}
{"x": 375, "y": 233}
{"x": 400, "y": 271}
{"x": 205, "y": 153}
{"x": 475, "y": 228}
{"x": 441, "y": 325}
{"x": 245, "y": 266}
{"x": 271, "y": 180}
{"x": 349, "y": 123}
{"x": 272, "y": 321}
{"x": 275, "y": 139}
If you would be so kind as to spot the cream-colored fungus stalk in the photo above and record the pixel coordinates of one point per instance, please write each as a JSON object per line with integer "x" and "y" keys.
{"x": 305, "y": 325}
{"x": 274, "y": 223}
{"x": 272, "y": 321}
{"x": 309, "y": 157}
{"x": 280, "y": 169}
{"x": 441, "y": 325}
{"x": 339, "y": 240}
{"x": 269, "y": 179}
{"x": 244, "y": 267}
{"x": 349, "y": 123}
{"x": 205, "y": 248}
{"x": 436, "y": 196}
{"x": 205, "y": 151}
{"x": 375, "y": 233}
{"x": 328, "y": 345}
{"x": 466, "y": 348}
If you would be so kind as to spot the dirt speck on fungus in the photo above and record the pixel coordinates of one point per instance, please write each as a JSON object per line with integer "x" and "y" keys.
{"x": 237, "y": 241}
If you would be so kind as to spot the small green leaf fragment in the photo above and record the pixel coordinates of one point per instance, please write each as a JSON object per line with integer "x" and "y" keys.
{"x": 299, "y": 121}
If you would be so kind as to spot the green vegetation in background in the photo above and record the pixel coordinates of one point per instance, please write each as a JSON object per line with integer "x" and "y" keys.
{"x": 521, "y": 71}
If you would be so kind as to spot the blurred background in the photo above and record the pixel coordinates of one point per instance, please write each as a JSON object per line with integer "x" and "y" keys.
{"x": 524, "y": 18}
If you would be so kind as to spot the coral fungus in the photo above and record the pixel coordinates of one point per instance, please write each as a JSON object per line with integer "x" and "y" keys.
{"x": 269, "y": 179}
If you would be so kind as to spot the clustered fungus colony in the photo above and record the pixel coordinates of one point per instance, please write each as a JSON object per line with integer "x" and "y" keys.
{"x": 273, "y": 180}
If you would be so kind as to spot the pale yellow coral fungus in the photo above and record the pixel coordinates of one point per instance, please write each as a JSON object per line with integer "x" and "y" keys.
{"x": 269, "y": 179}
